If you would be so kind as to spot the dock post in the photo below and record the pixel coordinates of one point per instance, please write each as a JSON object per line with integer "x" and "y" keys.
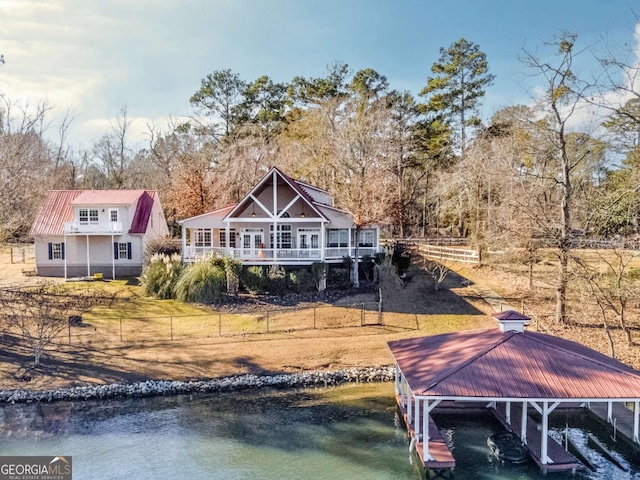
{"x": 417, "y": 421}
{"x": 636, "y": 418}
{"x": 409, "y": 405}
{"x": 544, "y": 458}
{"x": 507, "y": 412}
{"x": 610, "y": 412}
{"x": 425, "y": 427}
{"x": 396, "y": 378}
{"x": 523, "y": 426}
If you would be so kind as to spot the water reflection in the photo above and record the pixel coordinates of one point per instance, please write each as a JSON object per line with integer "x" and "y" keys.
{"x": 346, "y": 432}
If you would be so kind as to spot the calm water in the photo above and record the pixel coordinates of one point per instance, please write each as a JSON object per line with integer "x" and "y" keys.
{"x": 349, "y": 432}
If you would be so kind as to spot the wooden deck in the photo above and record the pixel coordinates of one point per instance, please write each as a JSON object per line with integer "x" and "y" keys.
{"x": 442, "y": 459}
{"x": 561, "y": 459}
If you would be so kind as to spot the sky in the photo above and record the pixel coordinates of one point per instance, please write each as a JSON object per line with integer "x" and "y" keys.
{"x": 93, "y": 57}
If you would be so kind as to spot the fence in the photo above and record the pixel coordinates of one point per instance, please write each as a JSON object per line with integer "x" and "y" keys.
{"x": 23, "y": 254}
{"x": 222, "y": 324}
{"x": 441, "y": 241}
{"x": 447, "y": 253}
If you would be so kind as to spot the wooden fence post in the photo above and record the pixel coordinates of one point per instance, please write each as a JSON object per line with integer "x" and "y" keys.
{"x": 121, "y": 329}
{"x": 219, "y": 324}
{"x": 267, "y": 321}
{"x": 314, "y": 318}
{"x": 171, "y": 327}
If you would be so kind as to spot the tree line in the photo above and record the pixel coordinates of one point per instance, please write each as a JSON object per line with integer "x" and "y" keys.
{"x": 564, "y": 164}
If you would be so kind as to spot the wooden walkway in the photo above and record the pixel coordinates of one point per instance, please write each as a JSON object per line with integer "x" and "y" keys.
{"x": 561, "y": 459}
{"x": 442, "y": 460}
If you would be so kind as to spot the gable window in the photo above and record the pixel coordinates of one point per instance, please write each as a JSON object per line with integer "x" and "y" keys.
{"x": 88, "y": 216}
{"x": 56, "y": 251}
{"x": 283, "y": 238}
{"x": 122, "y": 251}
{"x": 338, "y": 238}
{"x": 113, "y": 214}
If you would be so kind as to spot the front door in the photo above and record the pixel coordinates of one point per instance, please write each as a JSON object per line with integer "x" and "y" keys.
{"x": 252, "y": 244}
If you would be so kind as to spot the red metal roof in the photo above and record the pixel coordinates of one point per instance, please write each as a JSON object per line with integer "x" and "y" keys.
{"x": 57, "y": 208}
{"x": 490, "y": 363}
{"x": 143, "y": 212}
{"x": 54, "y": 211}
{"x": 107, "y": 197}
{"x": 510, "y": 316}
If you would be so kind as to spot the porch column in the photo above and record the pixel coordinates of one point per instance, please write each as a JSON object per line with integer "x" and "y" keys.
{"x": 227, "y": 239}
{"x": 636, "y": 418}
{"x": 113, "y": 258}
{"x": 88, "y": 260}
{"x": 64, "y": 257}
{"x": 184, "y": 243}
{"x": 323, "y": 245}
{"x": 507, "y": 412}
{"x": 349, "y": 244}
{"x": 523, "y": 423}
{"x": 275, "y": 215}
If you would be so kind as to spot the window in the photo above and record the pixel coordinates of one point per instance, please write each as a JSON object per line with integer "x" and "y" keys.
{"x": 284, "y": 238}
{"x": 366, "y": 238}
{"x": 56, "y": 251}
{"x": 113, "y": 215}
{"x": 338, "y": 238}
{"x": 308, "y": 238}
{"x": 232, "y": 238}
{"x": 88, "y": 216}
{"x": 203, "y": 237}
{"x": 122, "y": 250}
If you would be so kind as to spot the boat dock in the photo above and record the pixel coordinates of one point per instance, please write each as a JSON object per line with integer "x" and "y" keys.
{"x": 561, "y": 460}
{"x": 618, "y": 415}
{"x": 441, "y": 461}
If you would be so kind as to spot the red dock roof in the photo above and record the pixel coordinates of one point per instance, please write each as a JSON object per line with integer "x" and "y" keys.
{"x": 528, "y": 365}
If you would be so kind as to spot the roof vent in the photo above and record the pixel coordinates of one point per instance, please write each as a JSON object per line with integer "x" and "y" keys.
{"x": 511, "y": 321}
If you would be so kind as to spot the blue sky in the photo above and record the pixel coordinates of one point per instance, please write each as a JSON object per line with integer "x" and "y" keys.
{"x": 95, "y": 56}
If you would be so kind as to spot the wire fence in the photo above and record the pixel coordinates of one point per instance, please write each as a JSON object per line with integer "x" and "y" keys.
{"x": 223, "y": 324}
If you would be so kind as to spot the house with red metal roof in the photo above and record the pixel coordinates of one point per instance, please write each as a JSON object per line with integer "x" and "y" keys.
{"x": 281, "y": 221}
{"x": 84, "y": 232}
{"x": 521, "y": 376}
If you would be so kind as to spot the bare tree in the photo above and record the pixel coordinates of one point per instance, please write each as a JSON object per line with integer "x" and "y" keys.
{"x": 41, "y": 313}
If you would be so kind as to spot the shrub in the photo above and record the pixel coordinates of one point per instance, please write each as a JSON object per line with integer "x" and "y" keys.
{"x": 202, "y": 282}
{"x": 162, "y": 245}
{"x": 302, "y": 280}
{"x": 160, "y": 275}
{"x": 253, "y": 280}
{"x": 276, "y": 280}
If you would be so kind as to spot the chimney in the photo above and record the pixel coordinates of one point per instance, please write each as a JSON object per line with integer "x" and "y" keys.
{"x": 511, "y": 321}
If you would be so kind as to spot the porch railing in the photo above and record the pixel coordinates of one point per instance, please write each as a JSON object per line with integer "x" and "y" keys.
{"x": 98, "y": 228}
{"x": 270, "y": 254}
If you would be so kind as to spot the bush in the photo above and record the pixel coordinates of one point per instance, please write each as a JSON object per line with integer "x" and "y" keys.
{"x": 302, "y": 281}
{"x": 203, "y": 282}
{"x": 161, "y": 274}
{"x": 253, "y": 280}
{"x": 163, "y": 246}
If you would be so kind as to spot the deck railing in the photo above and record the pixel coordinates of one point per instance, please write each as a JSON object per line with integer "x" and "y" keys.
{"x": 302, "y": 255}
{"x": 97, "y": 228}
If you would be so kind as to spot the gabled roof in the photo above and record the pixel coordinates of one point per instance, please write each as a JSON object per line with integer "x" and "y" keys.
{"x": 57, "y": 208}
{"x": 54, "y": 211}
{"x": 214, "y": 217}
{"x": 493, "y": 364}
{"x": 289, "y": 181}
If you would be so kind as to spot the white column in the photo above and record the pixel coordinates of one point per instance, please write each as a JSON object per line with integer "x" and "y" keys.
{"x": 349, "y": 242}
{"x": 402, "y": 391}
{"x": 409, "y": 405}
{"x": 507, "y": 412}
{"x": 425, "y": 429}
{"x": 523, "y": 423}
{"x": 184, "y": 242}
{"x": 227, "y": 238}
{"x": 610, "y": 412}
{"x": 417, "y": 420}
{"x": 66, "y": 252}
{"x": 113, "y": 258}
{"x": 88, "y": 260}
{"x": 636, "y": 418}
{"x": 323, "y": 245}
{"x": 545, "y": 433}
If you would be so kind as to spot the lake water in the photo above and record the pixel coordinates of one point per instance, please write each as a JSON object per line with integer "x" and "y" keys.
{"x": 347, "y": 432}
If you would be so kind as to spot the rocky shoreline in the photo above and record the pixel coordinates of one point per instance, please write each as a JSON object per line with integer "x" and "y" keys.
{"x": 152, "y": 388}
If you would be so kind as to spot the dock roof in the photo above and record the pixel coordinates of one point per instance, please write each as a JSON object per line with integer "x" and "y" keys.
{"x": 495, "y": 364}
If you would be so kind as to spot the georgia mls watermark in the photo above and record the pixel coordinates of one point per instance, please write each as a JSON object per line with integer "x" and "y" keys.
{"x": 35, "y": 468}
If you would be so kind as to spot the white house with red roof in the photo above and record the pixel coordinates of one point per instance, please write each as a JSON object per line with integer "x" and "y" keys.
{"x": 281, "y": 221}
{"x": 84, "y": 232}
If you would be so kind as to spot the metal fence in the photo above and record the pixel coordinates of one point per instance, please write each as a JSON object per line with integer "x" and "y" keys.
{"x": 221, "y": 324}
